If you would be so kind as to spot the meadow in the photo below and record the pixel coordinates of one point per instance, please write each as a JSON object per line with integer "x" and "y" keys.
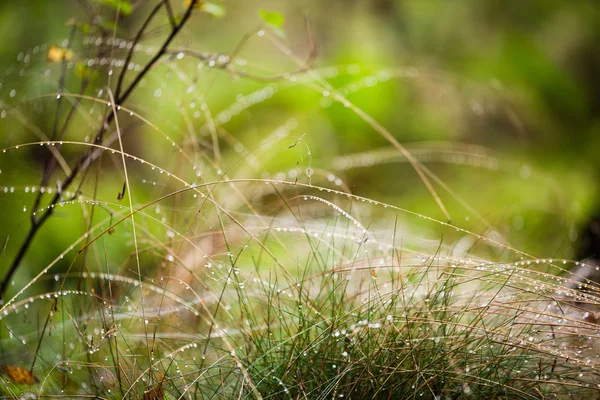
{"x": 298, "y": 200}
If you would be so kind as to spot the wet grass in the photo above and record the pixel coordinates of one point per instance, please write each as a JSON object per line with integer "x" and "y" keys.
{"x": 203, "y": 263}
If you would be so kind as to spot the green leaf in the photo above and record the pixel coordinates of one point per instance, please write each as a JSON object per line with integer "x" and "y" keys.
{"x": 108, "y": 25}
{"x": 273, "y": 18}
{"x": 124, "y": 5}
{"x": 85, "y": 72}
{"x": 216, "y": 10}
{"x": 84, "y": 28}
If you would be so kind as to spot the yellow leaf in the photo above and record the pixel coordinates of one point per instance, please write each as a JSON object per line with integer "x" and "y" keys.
{"x": 57, "y": 54}
{"x": 19, "y": 375}
{"x": 187, "y": 3}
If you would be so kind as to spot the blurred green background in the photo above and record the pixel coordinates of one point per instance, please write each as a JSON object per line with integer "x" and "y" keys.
{"x": 500, "y": 99}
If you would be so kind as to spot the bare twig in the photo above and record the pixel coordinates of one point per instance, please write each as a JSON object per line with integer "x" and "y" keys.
{"x": 228, "y": 64}
{"x": 137, "y": 38}
{"x": 170, "y": 13}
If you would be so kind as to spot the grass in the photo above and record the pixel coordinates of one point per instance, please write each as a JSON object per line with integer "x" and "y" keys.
{"x": 198, "y": 266}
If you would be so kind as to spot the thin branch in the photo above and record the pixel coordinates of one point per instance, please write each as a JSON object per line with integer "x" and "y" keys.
{"x": 228, "y": 65}
{"x": 157, "y": 56}
{"x": 134, "y": 43}
{"x": 170, "y": 13}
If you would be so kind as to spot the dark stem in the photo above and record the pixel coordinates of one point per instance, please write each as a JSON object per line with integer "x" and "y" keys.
{"x": 137, "y": 38}
{"x": 161, "y": 52}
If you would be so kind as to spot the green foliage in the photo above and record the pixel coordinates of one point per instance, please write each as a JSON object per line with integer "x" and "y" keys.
{"x": 274, "y": 20}
{"x": 124, "y": 6}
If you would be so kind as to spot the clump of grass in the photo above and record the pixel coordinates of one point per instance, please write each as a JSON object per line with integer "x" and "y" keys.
{"x": 199, "y": 266}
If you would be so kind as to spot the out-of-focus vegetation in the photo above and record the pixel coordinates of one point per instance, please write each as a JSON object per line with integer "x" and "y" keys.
{"x": 519, "y": 80}
{"x": 497, "y": 103}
